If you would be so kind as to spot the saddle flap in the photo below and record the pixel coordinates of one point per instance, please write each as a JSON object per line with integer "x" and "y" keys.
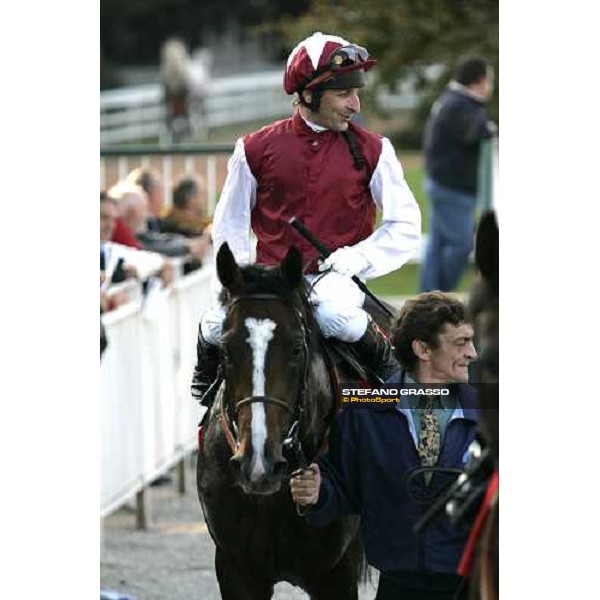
{"x": 343, "y": 360}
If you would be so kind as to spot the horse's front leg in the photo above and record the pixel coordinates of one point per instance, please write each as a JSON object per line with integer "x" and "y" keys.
{"x": 239, "y": 584}
{"x": 337, "y": 584}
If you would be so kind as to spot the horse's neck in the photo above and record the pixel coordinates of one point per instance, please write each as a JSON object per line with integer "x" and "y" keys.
{"x": 319, "y": 403}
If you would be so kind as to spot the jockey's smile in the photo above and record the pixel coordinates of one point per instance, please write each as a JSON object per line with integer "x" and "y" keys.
{"x": 336, "y": 109}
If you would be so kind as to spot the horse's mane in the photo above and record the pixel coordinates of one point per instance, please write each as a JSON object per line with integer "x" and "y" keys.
{"x": 484, "y": 296}
{"x": 261, "y": 279}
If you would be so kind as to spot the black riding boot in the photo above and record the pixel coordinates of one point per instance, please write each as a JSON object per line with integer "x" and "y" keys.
{"x": 204, "y": 380}
{"x": 377, "y": 353}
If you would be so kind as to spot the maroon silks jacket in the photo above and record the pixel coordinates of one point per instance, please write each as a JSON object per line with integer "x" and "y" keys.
{"x": 312, "y": 176}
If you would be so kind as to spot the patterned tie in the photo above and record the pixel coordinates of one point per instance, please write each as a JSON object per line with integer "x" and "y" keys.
{"x": 429, "y": 441}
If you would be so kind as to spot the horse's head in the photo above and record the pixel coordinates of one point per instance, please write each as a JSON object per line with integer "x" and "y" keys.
{"x": 265, "y": 355}
{"x": 485, "y": 315}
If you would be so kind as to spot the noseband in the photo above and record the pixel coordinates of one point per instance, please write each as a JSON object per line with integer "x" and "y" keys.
{"x": 263, "y": 400}
{"x": 296, "y": 413}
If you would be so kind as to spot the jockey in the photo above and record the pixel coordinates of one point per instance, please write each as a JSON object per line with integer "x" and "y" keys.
{"x": 333, "y": 174}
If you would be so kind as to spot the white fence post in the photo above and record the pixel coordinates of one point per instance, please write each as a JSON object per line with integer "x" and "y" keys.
{"x": 148, "y": 419}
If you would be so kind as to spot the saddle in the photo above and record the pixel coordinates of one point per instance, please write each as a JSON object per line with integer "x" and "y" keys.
{"x": 343, "y": 362}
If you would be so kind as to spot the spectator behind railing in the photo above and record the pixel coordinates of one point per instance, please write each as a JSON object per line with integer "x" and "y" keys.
{"x": 121, "y": 232}
{"x": 150, "y": 182}
{"x": 168, "y": 242}
{"x": 189, "y": 214}
{"x": 119, "y": 262}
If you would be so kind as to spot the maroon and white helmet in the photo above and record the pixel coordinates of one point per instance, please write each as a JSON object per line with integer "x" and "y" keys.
{"x": 324, "y": 61}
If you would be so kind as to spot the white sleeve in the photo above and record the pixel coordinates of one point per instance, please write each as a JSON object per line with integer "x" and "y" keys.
{"x": 231, "y": 222}
{"x": 398, "y": 237}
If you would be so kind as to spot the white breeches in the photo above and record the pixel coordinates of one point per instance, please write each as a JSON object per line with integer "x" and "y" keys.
{"x": 337, "y": 302}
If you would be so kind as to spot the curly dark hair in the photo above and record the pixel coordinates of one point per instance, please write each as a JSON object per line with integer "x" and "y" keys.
{"x": 423, "y": 318}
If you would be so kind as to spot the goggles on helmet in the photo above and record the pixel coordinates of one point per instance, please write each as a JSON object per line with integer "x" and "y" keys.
{"x": 346, "y": 56}
{"x": 341, "y": 60}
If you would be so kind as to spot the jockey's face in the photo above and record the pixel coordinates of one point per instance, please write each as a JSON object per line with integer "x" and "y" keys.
{"x": 337, "y": 108}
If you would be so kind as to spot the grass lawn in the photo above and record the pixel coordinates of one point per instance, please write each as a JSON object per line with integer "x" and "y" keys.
{"x": 415, "y": 175}
{"x": 405, "y": 281}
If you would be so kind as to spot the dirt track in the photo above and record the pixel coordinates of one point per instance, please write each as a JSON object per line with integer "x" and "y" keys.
{"x": 174, "y": 559}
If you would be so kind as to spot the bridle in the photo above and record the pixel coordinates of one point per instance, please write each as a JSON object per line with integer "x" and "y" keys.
{"x": 228, "y": 417}
{"x": 263, "y": 400}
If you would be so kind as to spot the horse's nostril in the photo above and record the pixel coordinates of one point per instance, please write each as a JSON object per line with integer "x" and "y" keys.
{"x": 280, "y": 468}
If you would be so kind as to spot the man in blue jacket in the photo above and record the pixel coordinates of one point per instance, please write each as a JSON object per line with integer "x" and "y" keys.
{"x": 376, "y": 455}
{"x": 455, "y": 129}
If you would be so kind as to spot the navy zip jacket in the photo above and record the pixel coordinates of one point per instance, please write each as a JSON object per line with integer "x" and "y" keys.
{"x": 453, "y": 133}
{"x": 371, "y": 452}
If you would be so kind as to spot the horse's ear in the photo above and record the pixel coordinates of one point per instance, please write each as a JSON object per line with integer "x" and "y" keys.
{"x": 228, "y": 270}
{"x": 487, "y": 246}
{"x": 290, "y": 269}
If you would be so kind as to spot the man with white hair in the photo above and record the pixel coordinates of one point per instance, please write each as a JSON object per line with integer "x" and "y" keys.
{"x": 134, "y": 209}
{"x": 331, "y": 173}
{"x": 139, "y": 263}
{"x": 133, "y": 206}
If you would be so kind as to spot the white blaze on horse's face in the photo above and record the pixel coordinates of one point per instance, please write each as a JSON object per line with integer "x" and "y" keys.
{"x": 261, "y": 333}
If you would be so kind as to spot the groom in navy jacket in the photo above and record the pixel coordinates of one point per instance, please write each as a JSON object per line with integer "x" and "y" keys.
{"x": 376, "y": 455}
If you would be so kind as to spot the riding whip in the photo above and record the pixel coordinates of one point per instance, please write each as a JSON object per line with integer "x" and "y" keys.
{"x": 299, "y": 226}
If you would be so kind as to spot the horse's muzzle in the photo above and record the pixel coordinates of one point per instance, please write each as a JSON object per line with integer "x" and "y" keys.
{"x": 262, "y": 477}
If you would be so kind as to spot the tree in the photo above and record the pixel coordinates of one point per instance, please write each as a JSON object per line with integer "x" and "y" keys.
{"x": 406, "y": 36}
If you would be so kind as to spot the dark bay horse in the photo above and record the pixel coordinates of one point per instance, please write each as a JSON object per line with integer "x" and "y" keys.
{"x": 276, "y": 386}
{"x": 484, "y": 309}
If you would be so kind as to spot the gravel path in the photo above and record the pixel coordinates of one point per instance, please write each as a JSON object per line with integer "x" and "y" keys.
{"x": 174, "y": 559}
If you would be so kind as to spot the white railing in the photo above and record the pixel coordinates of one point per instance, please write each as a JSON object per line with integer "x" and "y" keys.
{"x": 148, "y": 419}
{"x": 136, "y": 113}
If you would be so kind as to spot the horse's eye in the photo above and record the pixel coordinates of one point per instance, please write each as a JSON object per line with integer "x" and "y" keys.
{"x": 297, "y": 350}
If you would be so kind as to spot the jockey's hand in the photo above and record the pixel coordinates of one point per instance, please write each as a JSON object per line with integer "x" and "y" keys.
{"x": 347, "y": 261}
{"x": 305, "y": 485}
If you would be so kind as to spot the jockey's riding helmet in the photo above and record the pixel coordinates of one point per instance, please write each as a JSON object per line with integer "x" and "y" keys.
{"x": 325, "y": 62}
